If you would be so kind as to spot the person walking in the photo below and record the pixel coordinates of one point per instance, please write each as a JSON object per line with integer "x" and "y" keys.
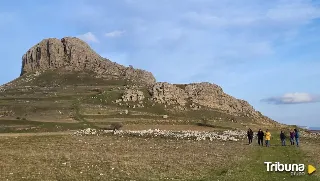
{"x": 296, "y": 136}
{"x": 283, "y": 138}
{"x": 250, "y": 135}
{"x": 267, "y": 138}
{"x": 292, "y": 136}
{"x": 260, "y": 135}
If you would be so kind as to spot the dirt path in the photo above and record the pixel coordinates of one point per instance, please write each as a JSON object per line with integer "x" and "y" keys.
{"x": 36, "y": 134}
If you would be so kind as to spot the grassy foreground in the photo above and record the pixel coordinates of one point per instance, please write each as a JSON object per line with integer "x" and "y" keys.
{"x": 126, "y": 158}
{"x": 253, "y": 167}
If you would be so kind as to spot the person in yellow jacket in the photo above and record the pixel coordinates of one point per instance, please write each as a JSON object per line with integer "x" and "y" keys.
{"x": 268, "y": 138}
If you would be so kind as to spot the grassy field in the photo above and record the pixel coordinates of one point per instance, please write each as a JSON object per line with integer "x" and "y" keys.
{"x": 67, "y": 157}
{"x": 38, "y": 114}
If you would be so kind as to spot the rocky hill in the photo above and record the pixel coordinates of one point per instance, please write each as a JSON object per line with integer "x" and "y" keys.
{"x": 73, "y": 54}
{"x": 65, "y": 79}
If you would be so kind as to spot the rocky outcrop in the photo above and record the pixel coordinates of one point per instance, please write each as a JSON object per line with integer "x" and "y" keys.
{"x": 132, "y": 95}
{"x": 212, "y": 96}
{"x": 169, "y": 94}
{"x": 72, "y": 53}
{"x": 202, "y": 95}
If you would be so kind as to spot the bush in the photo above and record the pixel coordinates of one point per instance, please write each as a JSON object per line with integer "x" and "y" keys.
{"x": 115, "y": 126}
{"x": 98, "y": 90}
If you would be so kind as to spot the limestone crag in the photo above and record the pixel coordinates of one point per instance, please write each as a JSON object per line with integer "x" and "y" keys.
{"x": 202, "y": 94}
{"x": 74, "y": 54}
{"x": 169, "y": 94}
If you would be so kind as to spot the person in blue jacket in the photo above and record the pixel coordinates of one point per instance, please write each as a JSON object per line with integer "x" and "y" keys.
{"x": 296, "y": 136}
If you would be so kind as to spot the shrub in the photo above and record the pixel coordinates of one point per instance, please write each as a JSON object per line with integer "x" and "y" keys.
{"x": 115, "y": 126}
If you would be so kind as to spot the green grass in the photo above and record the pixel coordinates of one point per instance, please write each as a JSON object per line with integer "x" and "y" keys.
{"x": 27, "y": 126}
{"x": 115, "y": 158}
{"x": 253, "y": 167}
{"x": 74, "y": 78}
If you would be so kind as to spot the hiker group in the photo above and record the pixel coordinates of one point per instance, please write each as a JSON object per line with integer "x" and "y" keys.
{"x": 294, "y": 137}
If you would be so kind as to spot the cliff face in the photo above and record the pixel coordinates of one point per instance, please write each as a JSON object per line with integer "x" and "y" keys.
{"x": 74, "y": 54}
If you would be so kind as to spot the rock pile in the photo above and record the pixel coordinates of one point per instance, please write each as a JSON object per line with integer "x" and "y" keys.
{"x": 88, "y": 131}
{"x": 31, "y": 77}
{"x": 71, "y": 53}
{"x": 132, "y": 95}
{"x": 6, "y": 113}
{"x": 228, "y": 135}
{"x": 310, "y": 135}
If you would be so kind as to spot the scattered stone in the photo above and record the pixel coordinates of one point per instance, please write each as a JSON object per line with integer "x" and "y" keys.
{"x": 88, "y": 131}
{"x": 6, "y": 113}
{"x": 228, "y": 135}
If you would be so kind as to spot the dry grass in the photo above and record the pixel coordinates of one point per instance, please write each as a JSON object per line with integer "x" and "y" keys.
{"x": 312, "y": 152}
{"x": 112, "y": 158}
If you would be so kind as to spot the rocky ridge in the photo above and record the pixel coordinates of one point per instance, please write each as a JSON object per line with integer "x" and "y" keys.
{"x": 195, "y": 96}
{"x": 74, "y": 54}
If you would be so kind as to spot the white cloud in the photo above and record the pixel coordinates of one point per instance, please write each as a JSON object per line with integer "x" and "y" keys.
{"x": 116, "y": 33}
{"x": 293, "y": 98}
{"x": 89, "y": 37}
{"x": 280, "y": 13}
{"x": 197, "y": 33}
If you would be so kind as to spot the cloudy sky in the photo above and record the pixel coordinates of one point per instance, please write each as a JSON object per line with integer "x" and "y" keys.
{"x": 266, "y": 52}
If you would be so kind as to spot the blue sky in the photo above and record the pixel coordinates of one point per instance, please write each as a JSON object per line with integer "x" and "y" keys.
{"x": 266, "y": 52}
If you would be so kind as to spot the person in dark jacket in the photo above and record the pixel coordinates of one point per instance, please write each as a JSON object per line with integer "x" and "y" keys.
{"x": 283, "y": 138}
{"x": 292, "y": 135}
{"x": 250, "y": 135}
{"x": 297, "y": 136}
{"x": 260, "y": 135}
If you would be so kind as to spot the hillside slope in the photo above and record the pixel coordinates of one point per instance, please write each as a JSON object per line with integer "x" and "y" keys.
{"x": 66, "y": 81}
